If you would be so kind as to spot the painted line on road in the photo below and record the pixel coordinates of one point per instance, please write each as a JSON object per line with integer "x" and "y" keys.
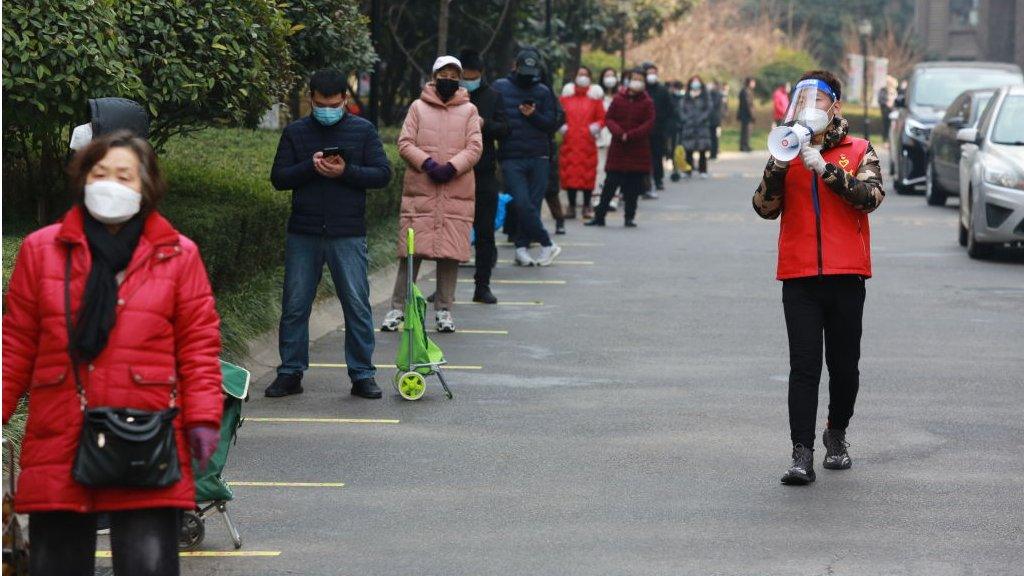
{"x": 288, "y": 484}
{"x": 566, "y": 262}
{"x": 213, "y": 554}
{"x": 321, "y": 420}
{"x": 563, "y": 244}
{"x": 459, "y": 331}
{"x": 392, "y": 366}
{"x": 501, "y": 303}
{"x": 518, "y": 282}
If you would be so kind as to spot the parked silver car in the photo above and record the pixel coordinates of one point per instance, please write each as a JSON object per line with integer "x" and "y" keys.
{"x": 992, "y": 175}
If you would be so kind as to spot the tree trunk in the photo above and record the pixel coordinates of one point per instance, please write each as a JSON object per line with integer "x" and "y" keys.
{"x": 294, "y": 104}
{"x": 575, "y": 59}
{"x": 442, "y": 28}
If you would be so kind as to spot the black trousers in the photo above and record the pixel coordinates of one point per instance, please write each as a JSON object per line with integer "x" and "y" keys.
{"x": 658, "y": 158}
{"x": 745, "y": 135}
{"x": 143, "y": 542}
{"x": 632, "y": 184}
{"x": 714, "y": 142}
{"x": 703, "y": 167}
{"x": 483, "y": 226}
{"x": 587, "y": 195}
{"x": 827, "y": 310}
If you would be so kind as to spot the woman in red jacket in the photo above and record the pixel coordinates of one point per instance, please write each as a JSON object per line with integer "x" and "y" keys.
{"x": 577, "y": 158}
{"x": 145, "y": 336}
{"x": 629, "y": 119}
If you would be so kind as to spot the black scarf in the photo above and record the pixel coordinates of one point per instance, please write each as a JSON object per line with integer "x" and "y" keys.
{"x": 110, "y": 255}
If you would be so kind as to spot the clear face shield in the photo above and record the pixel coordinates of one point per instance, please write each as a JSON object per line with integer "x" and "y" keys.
{"x": 811, "y": 104}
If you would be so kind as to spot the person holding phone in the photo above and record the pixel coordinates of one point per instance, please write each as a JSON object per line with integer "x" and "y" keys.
{"x": 525, "y": 153}
{"x": 328, "y": 160}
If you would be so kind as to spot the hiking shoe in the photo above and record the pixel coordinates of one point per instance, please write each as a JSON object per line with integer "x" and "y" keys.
{"x": 523, "y": 258}
{"x": 836, "y": 456}
{"x": 548, "y": 254}
{"x": 444, "y": 321}
{"x": 650, "y": 195}
{"x": 801, "y": 472}
{"x": 630, "y": 223}
{"x": 284, "y": 385}
{"x": 392, "y": 320}
{"x": 594, "y": 222}
{"x": 483, "y": 295}
{"x": 366, "y": 388}
{"x": 560, "y": 227}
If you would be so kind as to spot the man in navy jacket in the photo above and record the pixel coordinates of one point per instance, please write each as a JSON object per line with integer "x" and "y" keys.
{"x": 328, "y": 159}
{"x": 530, "y": 107}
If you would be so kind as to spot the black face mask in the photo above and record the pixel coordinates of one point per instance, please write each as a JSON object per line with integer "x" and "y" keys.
{"x": 446, "y": 88}
{"x": 525, "y": 80}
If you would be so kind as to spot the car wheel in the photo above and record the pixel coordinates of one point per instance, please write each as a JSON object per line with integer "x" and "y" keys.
{"x": 975, "y": 249}
{"x": 934, "y": 195}
{"x": 897, "y": 182}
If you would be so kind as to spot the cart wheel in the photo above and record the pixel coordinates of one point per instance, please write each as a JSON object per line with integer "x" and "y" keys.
{"x": 412, "y": 385}
{"x": 395, "y": 380}
{"x": 193, "y": 530}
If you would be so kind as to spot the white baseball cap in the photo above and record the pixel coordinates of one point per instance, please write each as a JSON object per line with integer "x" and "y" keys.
{"x": 443, "y": 61}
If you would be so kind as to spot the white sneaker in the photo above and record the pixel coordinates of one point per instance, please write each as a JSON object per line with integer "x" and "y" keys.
{"x": 548, "y": 254}
{"x": 614, "y": 204}
{"x": 704, "y": 175}
{"x": 444, "y": 321}
{"x": 392, "y": 320}
{"x": 523, "y": 258}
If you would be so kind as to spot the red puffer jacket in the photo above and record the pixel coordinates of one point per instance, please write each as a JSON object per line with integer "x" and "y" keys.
{"x": 167, "y": 334}
{"x": 577, "y": 158}
{"x": 630, "y": 115}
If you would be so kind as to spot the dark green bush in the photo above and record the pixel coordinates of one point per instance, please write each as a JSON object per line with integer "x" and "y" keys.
{"x": 787, "y": 66}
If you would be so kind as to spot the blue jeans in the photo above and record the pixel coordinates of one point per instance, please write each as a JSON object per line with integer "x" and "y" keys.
{"x": 304, "y": 259}
{"x": 526, "y": 180}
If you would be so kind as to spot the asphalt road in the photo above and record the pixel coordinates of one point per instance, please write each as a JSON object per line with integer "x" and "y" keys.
{"x": 635, "y": 421}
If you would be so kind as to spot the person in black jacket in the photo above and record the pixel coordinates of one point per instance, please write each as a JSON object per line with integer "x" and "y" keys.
{"x": 745, "y": 112}
{"x": 664, "y": 119}
{"x": 328, "y": 159}
{"x": 490, "y": 106}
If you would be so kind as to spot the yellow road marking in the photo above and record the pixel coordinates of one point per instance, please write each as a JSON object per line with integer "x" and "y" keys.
{"x": 322, "y": 420}
{"x": 503, "y": 303}
{"x": 530, "y": 282}
{"x": 289, "y": 484}
{"x": 566, "y": 262}
{"x": 443, "y": 366}
{"x": 213, "y": 554}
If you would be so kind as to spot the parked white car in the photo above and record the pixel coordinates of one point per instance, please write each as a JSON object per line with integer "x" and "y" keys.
{"x": 992, "y": 175}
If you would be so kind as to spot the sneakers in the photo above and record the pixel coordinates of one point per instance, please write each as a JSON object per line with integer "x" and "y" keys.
{"x": 366, "y": 388}
{"x": 560, "y": 227}
{"x": 548, "y": 254}
{"x": 836, "y": 456}
{"x": 284, "y": 385}
{"x": 703, "y": 175}
{"x": 444, "y": 321}
{"x": 392, "y": 320}
{"x": 801, "y": 472}
{"x": 523, "y": 257}
{"x": 483, "y": 295}
{"x": 630, "y": 223}
{"x": 650, "y": 195}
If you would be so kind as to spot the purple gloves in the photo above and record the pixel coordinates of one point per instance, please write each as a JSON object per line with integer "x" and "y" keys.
{"x": 203, "y": 442}
{"x": 439, "y": 173}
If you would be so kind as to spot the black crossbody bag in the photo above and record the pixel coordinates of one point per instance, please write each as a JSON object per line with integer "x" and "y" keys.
{"x": 121, "y": 447}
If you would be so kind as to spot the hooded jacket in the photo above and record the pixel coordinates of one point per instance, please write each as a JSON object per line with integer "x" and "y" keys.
{"x": 584, "y": 107}
{"x": 529, "y": 137}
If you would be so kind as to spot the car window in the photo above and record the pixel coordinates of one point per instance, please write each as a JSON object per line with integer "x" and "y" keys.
{"x": 978, "y": 104}
{"x": 985, "y": 120}
{"x": 957, "y": 108}
{"x": 937, "y": 87}
{"x": 1009, "y": 123}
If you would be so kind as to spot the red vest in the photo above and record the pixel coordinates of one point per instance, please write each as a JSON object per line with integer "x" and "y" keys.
{"x": 821, "y": 234}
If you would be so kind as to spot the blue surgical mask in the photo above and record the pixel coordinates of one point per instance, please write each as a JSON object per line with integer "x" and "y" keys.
{"x": 470, "y": 85}
{"x": 328, "y": 116}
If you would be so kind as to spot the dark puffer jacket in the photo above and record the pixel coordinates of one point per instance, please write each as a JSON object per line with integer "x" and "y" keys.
{"x": 630, "y": 116}
{"x": 529, "y": 137}
{"x": 329, "y": 206}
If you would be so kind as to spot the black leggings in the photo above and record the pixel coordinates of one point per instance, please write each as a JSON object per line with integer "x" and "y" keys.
{"x": 827, "y": 310}
{"x": 632, "y": 184}
{"x": 587, "y": 196}
{"x": 703, "y": 166}
{"x": 143, "y": 542}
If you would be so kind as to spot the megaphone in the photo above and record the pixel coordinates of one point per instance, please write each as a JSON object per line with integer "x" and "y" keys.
{"x": 785, "y": 142}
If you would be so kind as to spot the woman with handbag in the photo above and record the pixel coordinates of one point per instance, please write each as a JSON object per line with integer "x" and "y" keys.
{"x": 111, "y": 329}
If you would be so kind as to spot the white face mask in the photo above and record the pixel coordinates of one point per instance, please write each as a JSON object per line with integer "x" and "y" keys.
{"x": 609, "y": 81}
{"x": 636, "y": 85}
{"x": 111, "y": 202}
{"x": 815, "y": 119}
{"x": 652, "y": 78}
{"x": 583, "y": 81}
{"x": 81, "y": 136}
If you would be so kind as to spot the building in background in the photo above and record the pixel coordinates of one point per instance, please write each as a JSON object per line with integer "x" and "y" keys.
{"x": 990, "y": 30}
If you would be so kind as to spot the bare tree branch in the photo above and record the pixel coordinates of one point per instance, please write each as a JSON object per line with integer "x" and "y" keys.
{"x": 393, "y": 28}
{"x": 497, "y": 29}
